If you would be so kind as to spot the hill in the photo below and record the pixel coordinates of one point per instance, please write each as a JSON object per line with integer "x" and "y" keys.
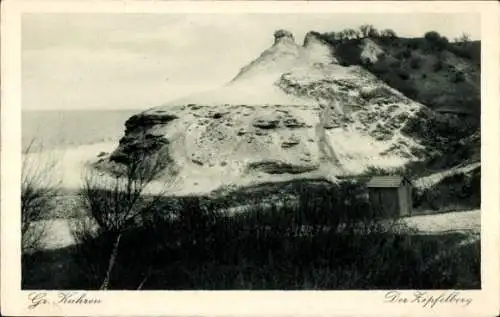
{"x": 441, "y": 75}
{"x": 323, "y": 109}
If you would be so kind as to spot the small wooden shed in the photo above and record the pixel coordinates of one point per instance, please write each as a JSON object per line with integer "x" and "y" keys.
{"x": 390, "y": 195}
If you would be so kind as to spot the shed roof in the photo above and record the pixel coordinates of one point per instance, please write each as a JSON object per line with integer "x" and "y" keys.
{"x": 386, "y": 181}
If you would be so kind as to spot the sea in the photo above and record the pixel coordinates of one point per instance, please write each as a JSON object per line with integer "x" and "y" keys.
{"x": 62, "y": 129}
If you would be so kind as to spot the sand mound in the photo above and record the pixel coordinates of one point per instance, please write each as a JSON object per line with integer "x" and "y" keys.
{"x": 292, "y": 112}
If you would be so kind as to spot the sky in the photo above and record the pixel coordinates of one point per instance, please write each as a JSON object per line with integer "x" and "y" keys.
{"x": 136, "y": 61}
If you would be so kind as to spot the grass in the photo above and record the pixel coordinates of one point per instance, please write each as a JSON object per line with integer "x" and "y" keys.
{"x": 461, "y": 191}
{"x": 325, "y": 240}
{"x": 424, "y": 69}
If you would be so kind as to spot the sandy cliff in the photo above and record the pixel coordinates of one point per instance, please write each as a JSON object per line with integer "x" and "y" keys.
{"x": 293, "y": 112}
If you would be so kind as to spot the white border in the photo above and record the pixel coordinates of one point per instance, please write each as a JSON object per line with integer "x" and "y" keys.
{"x": 341, "y": 303}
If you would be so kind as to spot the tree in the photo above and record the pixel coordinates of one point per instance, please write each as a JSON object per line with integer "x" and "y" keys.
{"x": 342, "y": 35}
{"x": 388, "y": 33}
{"x": 436, "y": 40}
{"x": 350, "y": 33}
{"x": 38, "y": 191}
{"x": 116, "y": 204}
{"x": 432, "y": 36}
{"x": 331, "y": 36}
{"x": 463, "y": 39}
{"x": 367, "y": 29}
{"x": 373, "y": 33}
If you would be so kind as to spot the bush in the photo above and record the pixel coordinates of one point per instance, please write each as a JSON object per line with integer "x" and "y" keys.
{"x": 114, "y": 207}
{"x": 415, "y": 44}
{"x": 404, "y": 75}
{"x": 432, "y": 36}
{"x": 348, "y": 53}
{"x": 368, "y": 30}
{"x": 438, "y": 65}
{"x": 453, "y": 192}
{"x": 38, "y": 193}
{"x": 415, "y": 62}
{"x": 458, "y": 77}
{"x": 469, "y": 50}
{"x": 404, "y": 54}
{"x": 436, "y": 41}
{"x": 93, "y": 247}
{"x": 379, "y": 68}
{"x": 318, "y": 237}
{"x": 388, "y": 33}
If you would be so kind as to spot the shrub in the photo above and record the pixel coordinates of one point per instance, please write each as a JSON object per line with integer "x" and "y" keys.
{"x": 394, "y": 78}
{"x": 432, "y": 36}
{"x": 468, "y": 50}
{"x": 373, "y": 33}
{"x": 39, "y": 190}
{"x": 317, "y": 236}
{"x": 414, "y": 44}
{"x": 388, "y": 33}
{"x": 458, "y": 77}
{"x": 368, "y": 30}
{"x": 404, "y": 54}
{"x": 415, "y": 62}
{"x": 114, "y": 207}
{"x": 349, "y": 53}
{"x": 437, "y": 41}
{"x": 438, "y": 65}
{"x": 395, "y": 63}
{"x": 454, "y": 191}
{"x": 379, "y": 68}
{"x": 93, "y": 246}
{"x": 404, "y": 75}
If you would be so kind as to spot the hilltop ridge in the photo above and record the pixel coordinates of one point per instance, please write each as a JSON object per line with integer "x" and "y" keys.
{"x": 296, "y": 111}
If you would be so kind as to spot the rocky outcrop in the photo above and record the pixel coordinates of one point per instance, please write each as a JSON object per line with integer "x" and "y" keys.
{"x": 277, "y": 167}
{"x": 292, "y": 112}
{"x": 283, "y": 35}
{"x": 265, "y": 123}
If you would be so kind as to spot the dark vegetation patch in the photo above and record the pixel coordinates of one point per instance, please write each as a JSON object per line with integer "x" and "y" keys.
{"x": 418, "y": 67}
{"x": 449, "y": 139}
{"x": 461, "y": 191}
{"x": 470, "y": 50}
{"x": 327, "y": 240}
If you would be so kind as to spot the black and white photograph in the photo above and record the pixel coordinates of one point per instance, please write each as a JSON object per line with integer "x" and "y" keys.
{"x": 255, "y": 151}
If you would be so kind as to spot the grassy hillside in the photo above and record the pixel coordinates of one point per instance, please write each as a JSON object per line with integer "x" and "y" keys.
{"x": 441, "y": 75}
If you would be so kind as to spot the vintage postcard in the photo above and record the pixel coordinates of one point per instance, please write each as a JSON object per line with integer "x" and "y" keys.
{"x": 254, "y": 158}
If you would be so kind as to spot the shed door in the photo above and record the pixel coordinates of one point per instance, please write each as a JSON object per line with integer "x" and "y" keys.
{"x": 392, "y": 201}
{"x": 380, "y": 202}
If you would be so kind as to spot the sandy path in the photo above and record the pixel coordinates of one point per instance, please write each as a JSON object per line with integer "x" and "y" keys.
{"x": 57, "y": 233}
{"x": 450, "y": 221}
{"x": 428, "y": 181}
